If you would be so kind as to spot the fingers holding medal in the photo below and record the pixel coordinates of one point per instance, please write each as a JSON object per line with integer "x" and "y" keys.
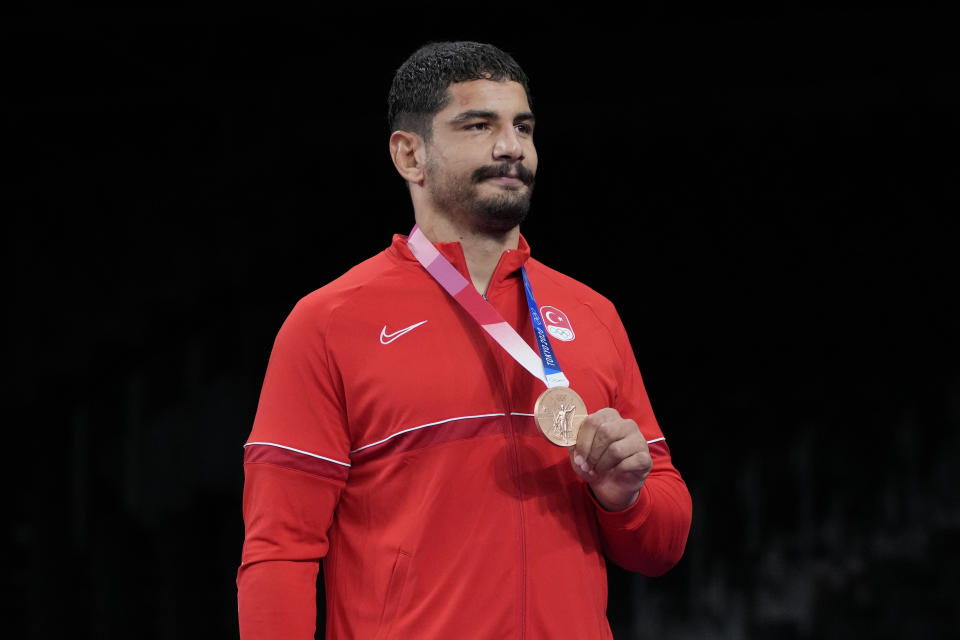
{"x": 612, "y": 456}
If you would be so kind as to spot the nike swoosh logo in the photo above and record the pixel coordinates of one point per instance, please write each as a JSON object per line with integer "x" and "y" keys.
{"x": 387, "y": 338}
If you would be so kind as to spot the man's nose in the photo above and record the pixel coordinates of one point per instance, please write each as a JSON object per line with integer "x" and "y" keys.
{"x": 508, "y": 146}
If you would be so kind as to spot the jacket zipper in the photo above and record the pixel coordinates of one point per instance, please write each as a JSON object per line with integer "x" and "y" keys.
{"x": 515, "y": 456}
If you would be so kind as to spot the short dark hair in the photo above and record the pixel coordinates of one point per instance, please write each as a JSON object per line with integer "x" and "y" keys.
{"x": 419, "y": 89}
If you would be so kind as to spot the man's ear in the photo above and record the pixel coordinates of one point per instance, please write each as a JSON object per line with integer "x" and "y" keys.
{"x": 407, "y": 151}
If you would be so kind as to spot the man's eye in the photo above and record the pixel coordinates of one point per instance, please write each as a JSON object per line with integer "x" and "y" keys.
{"x": 477, "y": 126}
{"x": 524, "y": 128}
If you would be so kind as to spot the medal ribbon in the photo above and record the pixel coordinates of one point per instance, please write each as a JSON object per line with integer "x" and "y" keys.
{"x": 545, "y": 368}
{"x": 551, "y": 367}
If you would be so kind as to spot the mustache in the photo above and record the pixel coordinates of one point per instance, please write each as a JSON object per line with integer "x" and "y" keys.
{"x": 502, "y": 171}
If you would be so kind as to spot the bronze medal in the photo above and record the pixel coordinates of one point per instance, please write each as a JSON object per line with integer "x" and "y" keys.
{"x": 559, "y": 412}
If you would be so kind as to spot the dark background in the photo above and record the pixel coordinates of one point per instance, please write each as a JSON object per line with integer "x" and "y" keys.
{"x": 768, "y": 194}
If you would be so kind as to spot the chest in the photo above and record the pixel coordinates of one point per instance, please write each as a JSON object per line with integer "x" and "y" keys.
{"x": 418, "y": 357}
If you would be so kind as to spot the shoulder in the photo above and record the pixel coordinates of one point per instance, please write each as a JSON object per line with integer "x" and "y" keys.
{"x": 572, "y": 288}
{"x": 579, "y": 302}
{"x": 363, "y": 286}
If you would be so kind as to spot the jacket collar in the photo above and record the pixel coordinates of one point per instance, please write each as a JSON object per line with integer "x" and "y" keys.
{"x": 510, "y": 261}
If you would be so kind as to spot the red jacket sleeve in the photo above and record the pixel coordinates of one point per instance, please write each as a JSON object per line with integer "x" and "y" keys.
{"x": 296, "y": 463}
{"x": 649, "y": 536}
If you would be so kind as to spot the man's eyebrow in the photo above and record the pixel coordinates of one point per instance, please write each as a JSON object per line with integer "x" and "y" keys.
{"x": 484, "y": 114}
{"x": 473, "y": 114}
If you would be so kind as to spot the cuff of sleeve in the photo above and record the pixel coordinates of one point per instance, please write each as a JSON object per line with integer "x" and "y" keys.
{"x": 630, "y": 518}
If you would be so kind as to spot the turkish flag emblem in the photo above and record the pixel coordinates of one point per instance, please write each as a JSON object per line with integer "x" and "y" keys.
{"x": 558, "y": 324}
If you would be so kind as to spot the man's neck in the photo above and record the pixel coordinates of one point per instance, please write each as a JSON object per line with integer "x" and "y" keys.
{"x": 482, "y": 250}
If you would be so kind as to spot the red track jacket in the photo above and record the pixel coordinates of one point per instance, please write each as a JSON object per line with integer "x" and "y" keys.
{"x": 396, "y": 440}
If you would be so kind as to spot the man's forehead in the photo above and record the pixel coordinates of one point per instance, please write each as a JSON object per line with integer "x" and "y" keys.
{"x": 501, "y": 96}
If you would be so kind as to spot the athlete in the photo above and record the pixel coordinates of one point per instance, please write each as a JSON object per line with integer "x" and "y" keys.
{"x": 412, "y": 422}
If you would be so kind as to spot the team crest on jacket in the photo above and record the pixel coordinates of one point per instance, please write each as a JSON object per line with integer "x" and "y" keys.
{"x": 558, "y": 324}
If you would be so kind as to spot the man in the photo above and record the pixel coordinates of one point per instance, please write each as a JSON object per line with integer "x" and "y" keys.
{"x": 396, "y": 436}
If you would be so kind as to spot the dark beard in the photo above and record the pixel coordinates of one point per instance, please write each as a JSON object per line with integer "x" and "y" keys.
{"x": 501, "y": 213}
{"x": 494, "y": 214}
{"x": 505, "y": 211}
